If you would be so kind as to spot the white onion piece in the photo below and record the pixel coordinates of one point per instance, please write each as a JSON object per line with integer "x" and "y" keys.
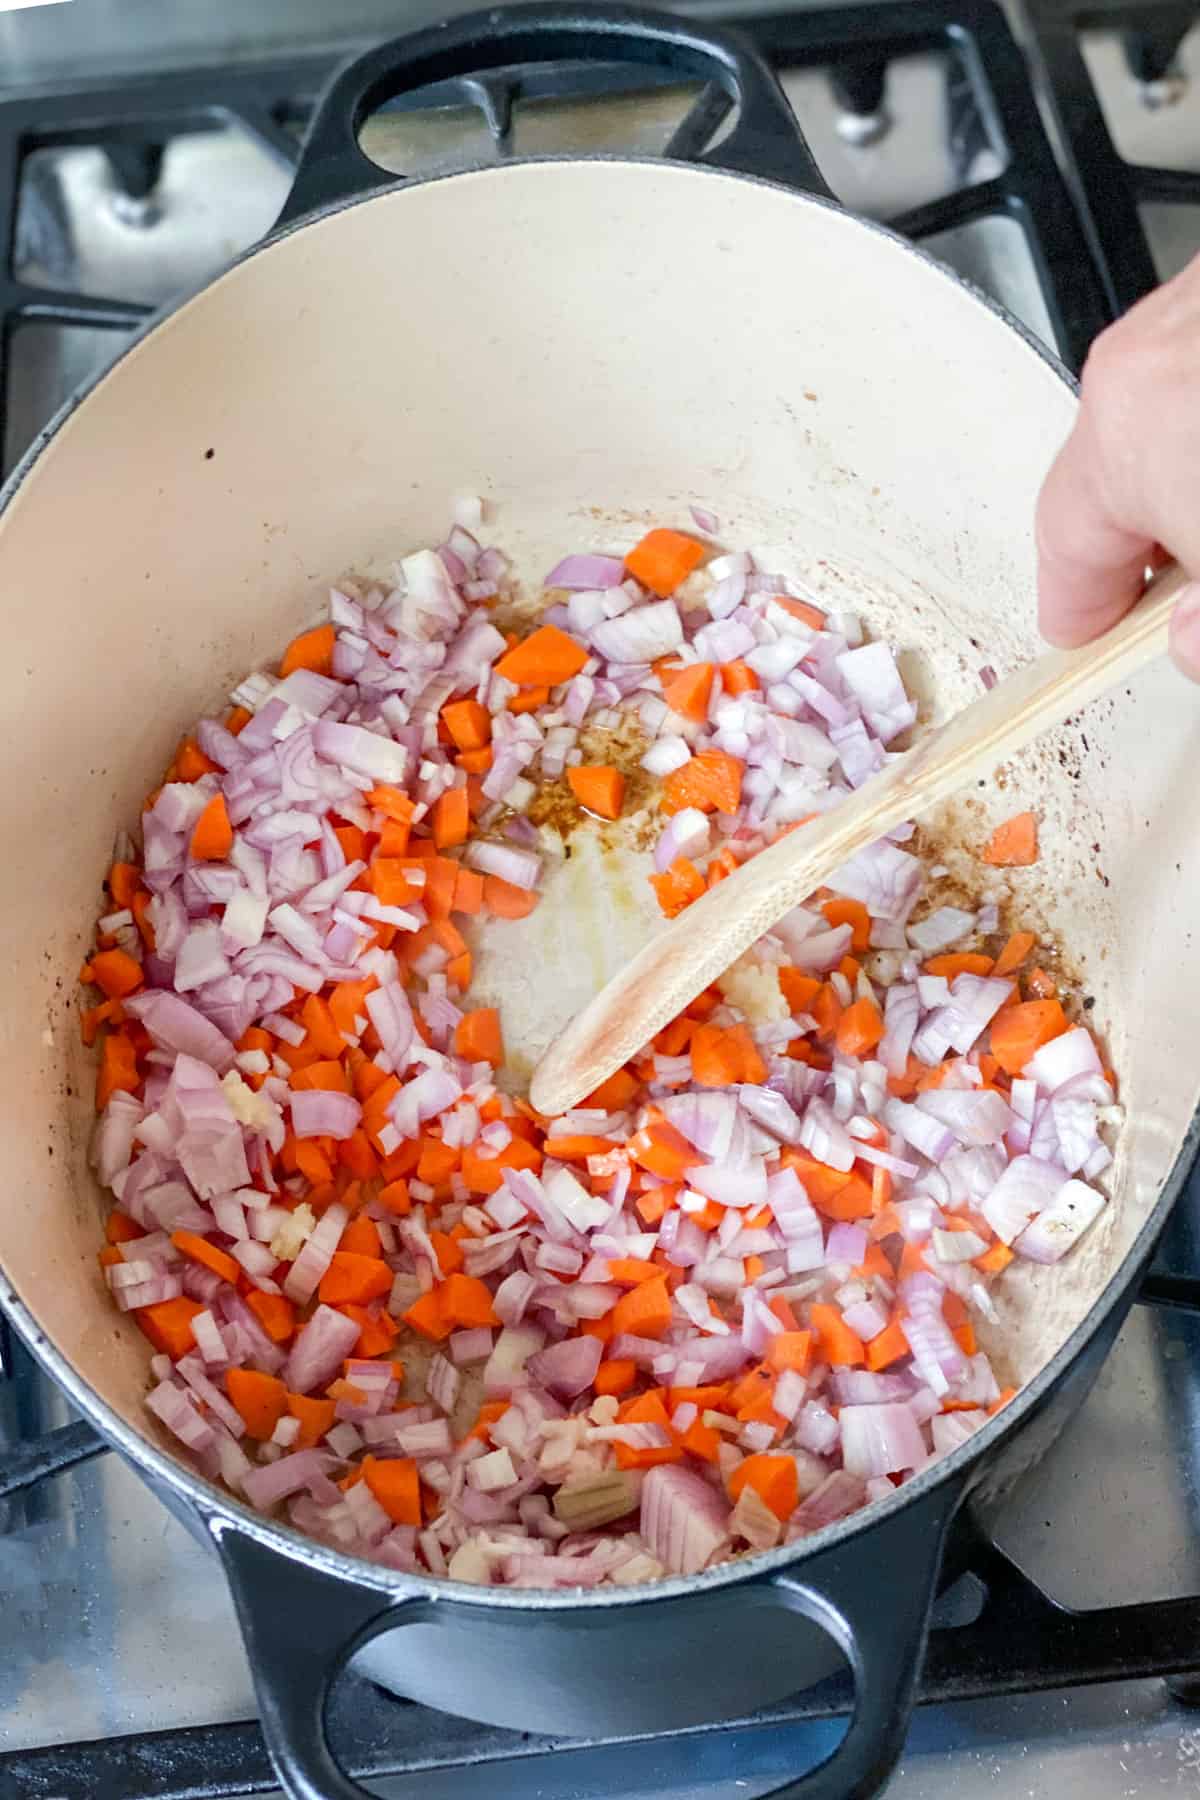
{"x": 683, "y": 1521}
{"x": 881, "y": 1440}
{"x": 1059, "y": 1226}
{"x": 1026, "y": 1188}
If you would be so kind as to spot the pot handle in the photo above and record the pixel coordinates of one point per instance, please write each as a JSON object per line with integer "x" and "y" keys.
{"x": 872, "y": 1594}
{"x": 765, "y": 140}
{"x": 301, "y": 1626}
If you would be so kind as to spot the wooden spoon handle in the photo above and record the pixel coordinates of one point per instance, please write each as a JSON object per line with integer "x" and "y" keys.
{"x": 700, "y": 945}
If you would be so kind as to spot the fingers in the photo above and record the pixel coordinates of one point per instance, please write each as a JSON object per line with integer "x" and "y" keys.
{"x": 1090, "y": 566}
{"x": 1125, "y": 481}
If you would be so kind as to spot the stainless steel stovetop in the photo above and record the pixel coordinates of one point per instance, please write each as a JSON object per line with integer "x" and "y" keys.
{"x": 113, "y": 1621}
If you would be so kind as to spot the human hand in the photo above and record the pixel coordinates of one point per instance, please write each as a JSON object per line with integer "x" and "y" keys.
{"x": 1127, "y": 481}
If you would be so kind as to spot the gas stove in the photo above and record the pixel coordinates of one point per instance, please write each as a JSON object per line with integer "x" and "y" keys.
{"x": 1050, "y": 157}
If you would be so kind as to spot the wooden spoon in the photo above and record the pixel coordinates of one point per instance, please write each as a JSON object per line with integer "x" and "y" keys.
{"x": 713, "y": 932}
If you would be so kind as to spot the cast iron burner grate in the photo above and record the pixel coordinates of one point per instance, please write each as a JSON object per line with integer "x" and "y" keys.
{"x": 1111, "y": 191}
{"x": 1015, "y": 1641}
{"x": 996, "y": 1632}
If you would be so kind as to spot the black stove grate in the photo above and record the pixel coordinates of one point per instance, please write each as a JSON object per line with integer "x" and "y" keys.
{"x": 997, "y": 1632}
{"x": 1110, "y": 192}
{"x": 1014, "y": 1640}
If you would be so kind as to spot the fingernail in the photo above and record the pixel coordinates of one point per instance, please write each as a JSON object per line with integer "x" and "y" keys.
{"x": 1185, "y": 632}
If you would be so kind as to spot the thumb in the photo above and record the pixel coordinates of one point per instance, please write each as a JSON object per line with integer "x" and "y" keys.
{"x": 1185, "y": 632}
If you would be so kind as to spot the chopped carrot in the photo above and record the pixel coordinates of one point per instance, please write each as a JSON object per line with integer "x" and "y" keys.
{"x": 646, "y": 1409}
{"x": 826, "y": 1009}
{"x": 237, "y": 719}
{"x": 995, "y": 1260}
{"x": 543, "y": 659}
{"x": 324, "y": 1033}
{"x": 962, "y": 962}
{"x": 702, "y": 1441}
{"x": 678, "y": 886}
{"x": 123, "y": 883}
{"x": 644, "y": 1311}
{"x": 655, "y": 1204}
{"x": 774, "y": 1480}
{"x": 716, "y": 1058}
{"x": 1039, "y": 985}
{"x": 118, "y": 1068}
{"x": 200, "y": 1250}
{"x": 477, "y": 1037}
{"x": 120, "y": 1228}
{"x": 353, "y": 842}
{"x": 887, "y": 1348}
{"x": 507, "y": 900}
{"x": 394, "y": 1197}
{"x": 663, "y": 1150}
{"x": 1018, "y": 1031}
{"x": 1014, "y": 844}
{"x": 261, "y": 1400}
{"x": 614, "y": 1094}
{"x": 448, "y": 1250}
{"x": 353, "y": 1277}
{"x": 312, "y": 1162}
{"x": 615, "y": 1376}
{"x": 377, "y": 1330}
{"x": 323, "y": 1077}
{"x": 468, "y": 891}
{"x": 1014, "y": 953}
{"x": 688, "y": 692}
{"x": 396, "y": 1484}
{"x": 800, "y": 609}
{"x": 361, "y": 1236}
{"x": 840, "y": 1346}
{"x": 529, "y": 700}
{"x": 212, "y": 838}
{"x": 451, "y": 819}
{"x": 116, "y": 973}
{"x": 316, "y": 1418}
{"x": 484, "y": 1174}
{"x": 790, "y": 1350}
{"x": 663, "y": 559}
{"x": 799, "y": 989}
{"x": 311, "y": 650}
{"x": 598, "y": 787}
{"x": 168, "y": 1325}
{"x": 469, "y": 724}
{"x": 355, "y": 1154}
{"x": 393, "y": 802}
{"x": 859, "y": 1029}
{"x": 275, "y": 1313}
{"x": 751, "y": 1067}
{"x": 466, "y": 1302}
{"x": 629, "y": 1271}
{"x": 390, "y": 883}
{"x": 711, "y": 781}
{"x": 425, "y": 1315}
{"x": 853, "y": 913}
{"x": 738, "y": 677}
{"x": 191, "y": 762}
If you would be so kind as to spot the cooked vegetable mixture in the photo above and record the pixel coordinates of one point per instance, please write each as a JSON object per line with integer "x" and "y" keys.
{"x": 733, "y": 1297}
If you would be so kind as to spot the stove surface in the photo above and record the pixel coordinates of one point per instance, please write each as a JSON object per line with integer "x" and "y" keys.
{"x": 115, "y": 1621}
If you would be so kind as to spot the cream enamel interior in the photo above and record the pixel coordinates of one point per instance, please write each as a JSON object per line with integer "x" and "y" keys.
{"x": 591, "y": 346}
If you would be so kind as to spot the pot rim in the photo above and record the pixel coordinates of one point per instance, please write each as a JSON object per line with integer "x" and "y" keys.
{"x": 212, "y": 1503}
